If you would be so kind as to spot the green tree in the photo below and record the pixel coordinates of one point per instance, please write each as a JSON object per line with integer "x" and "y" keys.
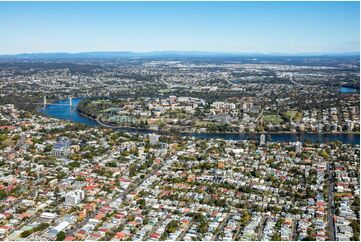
{"x": 74, "y": 164}
{"x": 60, "y": 236}
{"x": 141, "y": 203}
{"x": 26, "y": 233}
{"x": 2, "y": 194}
{"x": 324, "y": 154}
{"x": 172, "y": 226}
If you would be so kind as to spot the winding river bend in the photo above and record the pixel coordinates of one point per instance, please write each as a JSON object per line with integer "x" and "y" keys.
{"x": 66, "y": 113}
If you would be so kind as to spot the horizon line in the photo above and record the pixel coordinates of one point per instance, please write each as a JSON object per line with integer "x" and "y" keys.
{"x": 185, "y": 52}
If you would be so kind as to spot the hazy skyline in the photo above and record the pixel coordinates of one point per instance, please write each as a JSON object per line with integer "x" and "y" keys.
{"x": 284, "y": 27}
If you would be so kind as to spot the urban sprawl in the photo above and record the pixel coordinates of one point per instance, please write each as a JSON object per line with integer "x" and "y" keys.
{"x": 61, "y": 180}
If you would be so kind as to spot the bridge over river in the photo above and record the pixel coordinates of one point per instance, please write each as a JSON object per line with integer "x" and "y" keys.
{"x": 45, "y": 103}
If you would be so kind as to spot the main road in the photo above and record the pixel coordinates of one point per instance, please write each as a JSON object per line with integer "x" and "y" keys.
{"x": 330, "y": 204}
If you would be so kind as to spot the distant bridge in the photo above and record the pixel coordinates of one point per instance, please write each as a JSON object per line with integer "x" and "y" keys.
{"x": 45, "y": 103}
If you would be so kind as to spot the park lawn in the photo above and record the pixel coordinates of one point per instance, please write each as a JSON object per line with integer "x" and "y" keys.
{"x": 269, "y": 113}
{"x": 274, "y": 119}
{"x": 297, "y": 116}
{"x": 9, "y": 142}
{"x": 165, "y": 90}
{"x": 289, "y": 114}
{"x": 154, "y": 121}
{"x": 200, "y": 123}
{"x": 99, "y": 102}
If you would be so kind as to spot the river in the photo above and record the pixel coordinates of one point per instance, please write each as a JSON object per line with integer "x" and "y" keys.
{"x": 66, "y": 113}
{"x": 349, "y": 90}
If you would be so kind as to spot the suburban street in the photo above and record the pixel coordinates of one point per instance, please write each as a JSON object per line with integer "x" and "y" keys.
{"x": 330, "y": 207}
{"x": 121, "y": 196}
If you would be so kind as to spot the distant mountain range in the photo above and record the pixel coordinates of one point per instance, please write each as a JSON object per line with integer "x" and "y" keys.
{"x": 158, "y": 54}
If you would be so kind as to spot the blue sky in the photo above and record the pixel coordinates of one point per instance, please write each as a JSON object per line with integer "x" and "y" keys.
{"x": 287, "y": 27}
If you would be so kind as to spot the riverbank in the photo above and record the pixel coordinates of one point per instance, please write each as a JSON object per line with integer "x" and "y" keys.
{"x": 105, "y": 125}
{"x": 73, "y": 115}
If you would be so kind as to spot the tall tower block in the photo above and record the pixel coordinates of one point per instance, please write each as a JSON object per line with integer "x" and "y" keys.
{"x": 44, "y": 101}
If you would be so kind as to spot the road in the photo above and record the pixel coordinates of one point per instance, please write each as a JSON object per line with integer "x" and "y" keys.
{"x": 260, "y": 228}
{"x": 146, "y": 237}
{"x": 330, "y": 204}
{"x": 294, "y": 234}
{"x": 299, "y": 84}
{"x": 103, "y": 124}
{"x": 18, "y": 144}
{"x": 235, "y": 236}
{"x": 260, "y": 115}
{"x": 184, "y": 232}
{"x": 220, "y": 227}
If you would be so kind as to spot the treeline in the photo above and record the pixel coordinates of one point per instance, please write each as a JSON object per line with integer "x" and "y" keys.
{"x": 85, "y": 107}
{"x": 73, "y": 67}
{"x": 21, "y": 102}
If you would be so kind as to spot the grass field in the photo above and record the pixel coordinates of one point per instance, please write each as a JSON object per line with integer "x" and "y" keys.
{"x": 297, "y": 116}
{"x": 274, "y": 119}
{"x": 8, "y": 142}
{"x": 165, "y": 90}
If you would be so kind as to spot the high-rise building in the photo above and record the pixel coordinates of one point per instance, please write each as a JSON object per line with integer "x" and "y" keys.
{"x": 262, "y": 139}
{"x": 172, "y": 99}
{"x": 74, "y": 197}
{"x": 349, "y": 125}
{"x": 298, "y": 147}
{"x": 154, "y": 139}
{"x": 45, "y": 102}
{"x": 247, "y": 106}
{"x": 62, "y": 147}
